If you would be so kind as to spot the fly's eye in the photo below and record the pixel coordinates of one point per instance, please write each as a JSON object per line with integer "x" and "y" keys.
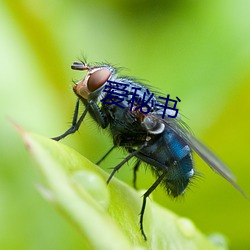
{"x": 97, "y": 79}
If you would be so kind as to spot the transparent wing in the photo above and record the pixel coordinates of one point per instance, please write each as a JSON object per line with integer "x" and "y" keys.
{"x": 206, "y": 154}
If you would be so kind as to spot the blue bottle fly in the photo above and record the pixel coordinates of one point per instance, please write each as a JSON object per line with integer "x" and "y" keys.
{"x": 134, "y": 118}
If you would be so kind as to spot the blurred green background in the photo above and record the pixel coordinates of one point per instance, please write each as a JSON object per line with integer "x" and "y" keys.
{"x": 196, "y": 50}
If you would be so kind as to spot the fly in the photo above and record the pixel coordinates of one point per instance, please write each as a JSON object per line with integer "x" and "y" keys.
{"x": 165, "y": 144}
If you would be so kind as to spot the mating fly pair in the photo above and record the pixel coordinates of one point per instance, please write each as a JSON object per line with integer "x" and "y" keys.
{"x": 149, "y": 132}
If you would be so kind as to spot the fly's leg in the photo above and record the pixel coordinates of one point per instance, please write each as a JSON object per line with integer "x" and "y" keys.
{"x": 97, "y": 114}
{"x": 105, "y": 155}
{"x": 124, "y": 161}
{"x": 145, "y": 196}
{"x": 136, "y": 167}
{"x": 93, "y": 109}
{"x": 75, "y": 123}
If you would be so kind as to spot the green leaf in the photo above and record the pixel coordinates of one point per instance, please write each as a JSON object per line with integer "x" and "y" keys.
{"x": 107, "y": 215}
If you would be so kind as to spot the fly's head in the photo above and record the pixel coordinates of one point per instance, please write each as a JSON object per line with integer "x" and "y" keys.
{"x": 94, "y": 80}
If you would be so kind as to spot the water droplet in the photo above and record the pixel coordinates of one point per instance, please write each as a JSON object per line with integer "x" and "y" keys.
{"x": 95, "y": 186}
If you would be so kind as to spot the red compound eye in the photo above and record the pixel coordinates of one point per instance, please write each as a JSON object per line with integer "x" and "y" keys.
{"x": 97, "y": 79}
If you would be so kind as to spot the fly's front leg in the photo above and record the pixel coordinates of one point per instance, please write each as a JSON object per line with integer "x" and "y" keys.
{"x": 94, "y": 111}
{"x": 75, "y": 123}
{"x": 97, "y": 114}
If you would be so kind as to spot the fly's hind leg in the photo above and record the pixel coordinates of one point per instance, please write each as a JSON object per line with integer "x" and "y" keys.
{"x": 135, "y": 169}
{"x": 145, "y": 196}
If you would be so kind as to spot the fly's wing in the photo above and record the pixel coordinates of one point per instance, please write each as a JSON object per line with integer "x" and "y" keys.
{"x": 206, "y": 154}
{"x": 212, "y": 160}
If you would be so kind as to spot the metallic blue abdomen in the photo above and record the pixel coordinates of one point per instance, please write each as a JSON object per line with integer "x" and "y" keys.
{"x": 168, "y": 153}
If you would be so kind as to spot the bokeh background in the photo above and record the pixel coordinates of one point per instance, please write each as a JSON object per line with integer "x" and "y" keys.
{"x": 196, "y": 50}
